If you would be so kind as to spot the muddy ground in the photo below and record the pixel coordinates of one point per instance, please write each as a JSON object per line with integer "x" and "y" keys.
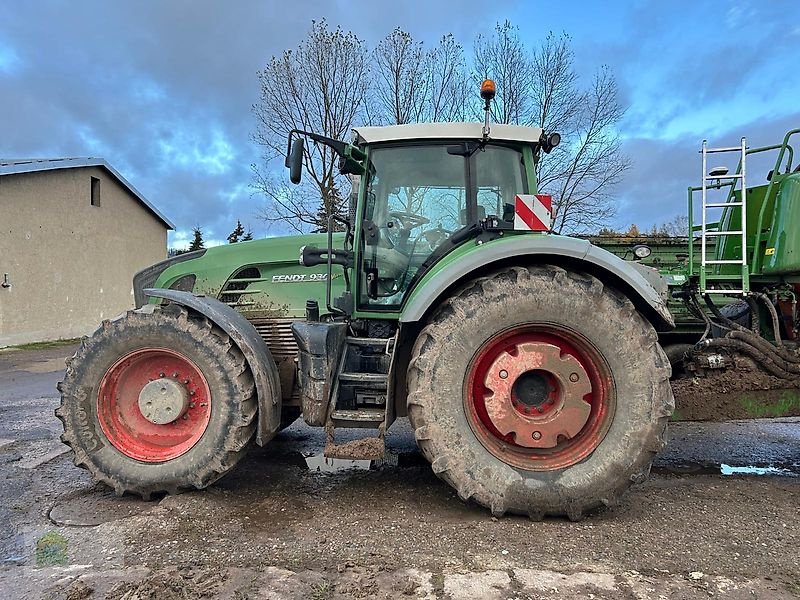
{"x": 288, "y": 524}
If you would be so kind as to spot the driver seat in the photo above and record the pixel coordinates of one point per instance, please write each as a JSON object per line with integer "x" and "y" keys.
{"x": 391, "y": 263}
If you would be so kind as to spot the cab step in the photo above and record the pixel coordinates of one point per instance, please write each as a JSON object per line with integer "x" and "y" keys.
{"x": 365, "y": 379}
{"x": 366, "y": 448}
{"x": 361, "y": 417}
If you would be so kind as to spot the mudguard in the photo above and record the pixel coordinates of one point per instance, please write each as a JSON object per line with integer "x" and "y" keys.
{"x": 253, "y": 347}
{"x": 575, "y": 253}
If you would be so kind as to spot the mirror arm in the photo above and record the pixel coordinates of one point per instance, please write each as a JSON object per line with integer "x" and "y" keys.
{"x": 338, "y": 146}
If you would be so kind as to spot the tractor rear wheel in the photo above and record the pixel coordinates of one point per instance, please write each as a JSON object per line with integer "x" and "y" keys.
{"x": 157, "y": 400}
{"x": 539, "y": 391}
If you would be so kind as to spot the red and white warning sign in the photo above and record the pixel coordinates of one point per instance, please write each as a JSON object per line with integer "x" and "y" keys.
{"x": 533, "y": 212}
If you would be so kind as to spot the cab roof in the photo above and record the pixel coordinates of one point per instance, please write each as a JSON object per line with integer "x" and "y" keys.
{"x": 446, "y": 131}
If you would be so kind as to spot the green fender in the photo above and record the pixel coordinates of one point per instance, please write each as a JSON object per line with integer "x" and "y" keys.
{"x": 643, "y": 285}
{"x": 251, "y": 345}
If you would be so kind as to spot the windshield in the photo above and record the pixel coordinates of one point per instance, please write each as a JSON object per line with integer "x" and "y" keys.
{"x": 419, "y": 196}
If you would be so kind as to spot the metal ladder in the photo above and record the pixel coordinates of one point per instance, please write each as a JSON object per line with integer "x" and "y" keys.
{"x": 360, "y": 398}
{"x": 709, "y": 274}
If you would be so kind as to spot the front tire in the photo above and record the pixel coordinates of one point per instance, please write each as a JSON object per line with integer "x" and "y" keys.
{"x": 539, "y": 391}
{"x": 157, "y": 400}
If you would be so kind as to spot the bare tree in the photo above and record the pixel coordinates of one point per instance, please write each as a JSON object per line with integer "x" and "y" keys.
{"x": 448, "y": 82}
{"x": 677, "y": 227}
{"x": 556, "y": 99}
{"x": 503, "y": 57}
{"x": 401, "y": 86}
{"x": 414, "y": 85}
{"x": 325, "y": 85}
{"x": 320, "y": 87}
{"x": 540, "y": 87}
{"x": 582, "y": 174}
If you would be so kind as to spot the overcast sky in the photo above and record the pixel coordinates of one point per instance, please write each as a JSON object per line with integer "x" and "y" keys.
{"x": 163, "y": 90}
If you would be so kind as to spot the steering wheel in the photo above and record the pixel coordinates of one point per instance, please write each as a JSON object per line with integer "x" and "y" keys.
{"x": 409, "y": 220}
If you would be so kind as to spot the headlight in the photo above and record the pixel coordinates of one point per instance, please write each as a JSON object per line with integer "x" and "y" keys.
{"x": 641, "y": 251}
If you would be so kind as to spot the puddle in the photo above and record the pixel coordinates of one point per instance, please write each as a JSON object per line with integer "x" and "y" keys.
{"x": 93, "y": 507}
{"x": 318, "y": 463}
{"x": 729, "y": 470}
{"x": 694, "y": 468}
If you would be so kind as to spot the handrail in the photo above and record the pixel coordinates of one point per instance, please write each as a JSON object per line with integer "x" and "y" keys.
{"x": 784, "y": 150}
{"x": 756, "y": 262}
{"x": 691, "y": 233}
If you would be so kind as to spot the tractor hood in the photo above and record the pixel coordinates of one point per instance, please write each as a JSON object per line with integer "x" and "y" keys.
{"x": 259, "y": 277}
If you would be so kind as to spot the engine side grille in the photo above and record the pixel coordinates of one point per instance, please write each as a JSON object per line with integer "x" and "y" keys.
{"x": 277, "y": 333}
{"x": 235, "y": 293}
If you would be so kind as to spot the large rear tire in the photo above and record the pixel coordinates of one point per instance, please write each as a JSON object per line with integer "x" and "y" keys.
{"x": 157, "y": 400}
{"x": 539, "y": 391}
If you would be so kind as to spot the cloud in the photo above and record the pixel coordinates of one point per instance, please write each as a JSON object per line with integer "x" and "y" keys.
{"x": 9, "y": 59}
{"x": 163, "y": 90}
{"x": 655, "y": 189}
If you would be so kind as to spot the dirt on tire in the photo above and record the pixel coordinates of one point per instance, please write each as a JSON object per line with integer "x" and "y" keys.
{"x": 550, "y": 295}
{"x": 231, "y": 424}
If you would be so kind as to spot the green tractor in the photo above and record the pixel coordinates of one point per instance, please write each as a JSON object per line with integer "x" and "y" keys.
{"x": 528, "y": 363}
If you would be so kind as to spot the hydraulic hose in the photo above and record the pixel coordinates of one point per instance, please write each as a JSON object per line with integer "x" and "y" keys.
{"x": 774, "y": 314}
{"x": 779, "y": 351}
{"x": 758, "y": 356}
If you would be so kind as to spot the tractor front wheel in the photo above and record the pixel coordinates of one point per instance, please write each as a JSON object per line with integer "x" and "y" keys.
{"x": 157, "y": 400}
{"x": 539, "y": 391}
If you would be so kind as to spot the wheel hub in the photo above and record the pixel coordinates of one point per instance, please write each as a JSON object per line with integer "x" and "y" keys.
{"x": 163, "y": 400}
{"x": 154, "y": 404}
{"x": 537, "y": 394}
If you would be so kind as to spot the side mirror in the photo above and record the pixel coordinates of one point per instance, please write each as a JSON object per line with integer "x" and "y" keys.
{"x": 295, "y": 160}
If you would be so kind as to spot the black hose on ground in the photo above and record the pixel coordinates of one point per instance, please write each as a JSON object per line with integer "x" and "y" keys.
{"x": 758, "y": 356}
{"x": 766, "y": 346}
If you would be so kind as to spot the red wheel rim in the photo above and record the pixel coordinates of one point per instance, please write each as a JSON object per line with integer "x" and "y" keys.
{"x": 539, "y": 397}
{"x": 120, "y": 402}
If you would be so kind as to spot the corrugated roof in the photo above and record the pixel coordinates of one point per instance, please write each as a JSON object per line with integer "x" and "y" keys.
{"x": 12, "y": 166}
{"x": 444, "y": 131}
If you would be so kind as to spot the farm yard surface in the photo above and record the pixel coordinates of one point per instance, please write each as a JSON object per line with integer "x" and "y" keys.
{"x": 717, "y": 518}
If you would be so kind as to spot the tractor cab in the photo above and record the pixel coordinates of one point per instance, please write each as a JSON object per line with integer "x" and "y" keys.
{"x": 420, "y": 191}
{"x": 429, "y": 187}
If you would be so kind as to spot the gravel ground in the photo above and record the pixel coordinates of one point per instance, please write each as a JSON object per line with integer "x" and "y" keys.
{"x": 287, "y": 524}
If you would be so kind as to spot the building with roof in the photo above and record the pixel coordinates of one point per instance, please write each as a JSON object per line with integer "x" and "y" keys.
{"x": 73, "y": 232}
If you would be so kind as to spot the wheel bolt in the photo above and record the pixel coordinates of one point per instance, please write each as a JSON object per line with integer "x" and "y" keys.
{"x": 161, "y": 374}
{"x": 535, "y": 435}
{"x": 185, "y": 417}
{"x": 185, "y": 382}
{"x": 175, "y": 374}
{"x": 573, "y": 377}
{"x": 191, "y": 393}
{"x": 191, "y": 405}
{"x": 503, "y": 374}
